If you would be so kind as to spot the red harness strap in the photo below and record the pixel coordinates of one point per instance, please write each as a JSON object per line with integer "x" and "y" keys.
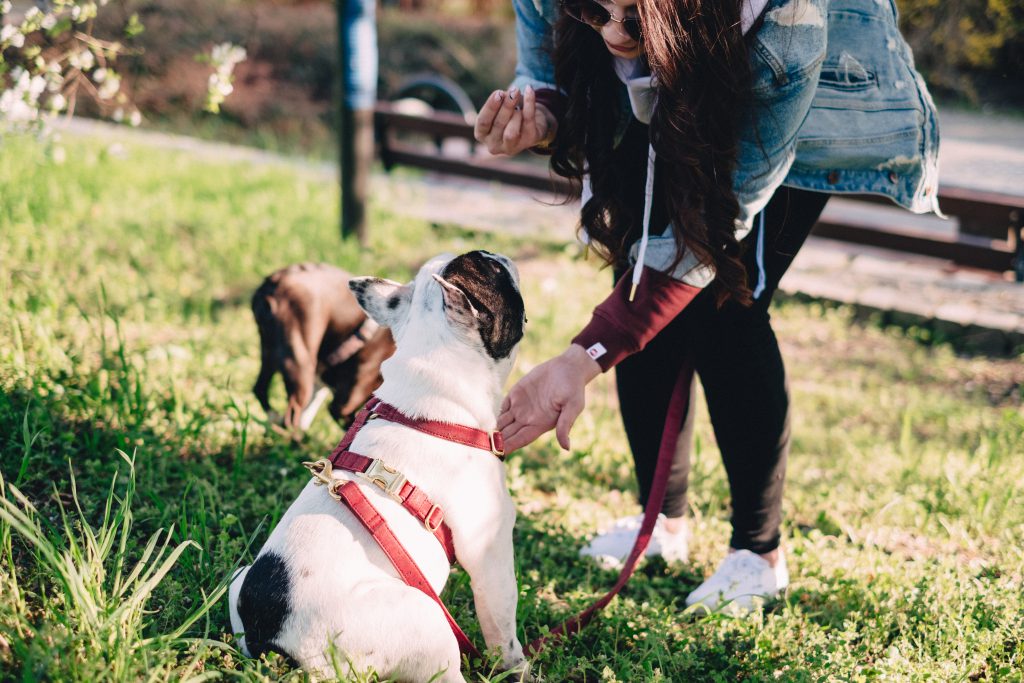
{"x": 407, "y": 568}
{"x": 449, "y": 431}
{"x": 398, "y": 487}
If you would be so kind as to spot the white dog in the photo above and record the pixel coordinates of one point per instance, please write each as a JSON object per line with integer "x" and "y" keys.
{"x": 321, "y": 584}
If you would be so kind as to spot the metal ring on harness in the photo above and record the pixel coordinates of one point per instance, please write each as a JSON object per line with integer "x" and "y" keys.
{"x": 432, "y": 526}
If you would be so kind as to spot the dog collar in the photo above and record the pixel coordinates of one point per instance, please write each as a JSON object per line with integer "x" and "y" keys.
{"x": 449, "y": 431}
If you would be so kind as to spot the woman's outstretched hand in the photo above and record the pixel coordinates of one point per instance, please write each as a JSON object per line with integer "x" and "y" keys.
{"x": 511, "y": 122}
{"x": 552, "y": 395}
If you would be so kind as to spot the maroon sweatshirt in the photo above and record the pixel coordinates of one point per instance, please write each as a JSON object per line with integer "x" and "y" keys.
{"x": 620, "y": 327}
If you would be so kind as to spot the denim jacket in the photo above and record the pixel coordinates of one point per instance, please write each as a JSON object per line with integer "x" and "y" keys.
{"x": 838, "y": 107}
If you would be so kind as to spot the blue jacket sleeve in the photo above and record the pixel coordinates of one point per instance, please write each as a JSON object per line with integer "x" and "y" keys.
{"x": 534, "y": 19}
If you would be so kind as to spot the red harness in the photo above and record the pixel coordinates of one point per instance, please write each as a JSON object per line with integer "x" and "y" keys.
{"x": 415, "y": 501}
{"x": 410, "y": 496}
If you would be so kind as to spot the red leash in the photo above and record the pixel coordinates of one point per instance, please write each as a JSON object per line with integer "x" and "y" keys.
{"x": 677, "y": 407}
{"x": 395, "y": 484}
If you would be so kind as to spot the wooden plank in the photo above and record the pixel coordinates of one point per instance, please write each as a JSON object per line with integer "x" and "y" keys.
{"x": 965, "y": 250}
{"x": 988, "y": 221}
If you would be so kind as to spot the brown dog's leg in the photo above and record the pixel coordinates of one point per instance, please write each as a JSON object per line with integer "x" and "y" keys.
{"x": 268, "y": 366}
{"x": 299, "y": 372}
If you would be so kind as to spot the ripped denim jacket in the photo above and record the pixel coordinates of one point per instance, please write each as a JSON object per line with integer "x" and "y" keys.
{"x": 838, "y": 106}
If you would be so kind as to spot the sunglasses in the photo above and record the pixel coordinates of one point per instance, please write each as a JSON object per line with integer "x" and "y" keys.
{"x": 596, "y": 15}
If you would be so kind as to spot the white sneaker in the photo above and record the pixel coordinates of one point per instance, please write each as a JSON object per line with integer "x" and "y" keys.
{"x": 742, "y": 580}
{"x": 611, "y": 547}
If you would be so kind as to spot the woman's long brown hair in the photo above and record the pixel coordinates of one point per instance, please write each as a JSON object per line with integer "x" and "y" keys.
{"x": 696, "y": 50}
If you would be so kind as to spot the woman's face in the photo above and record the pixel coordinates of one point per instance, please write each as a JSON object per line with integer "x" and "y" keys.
{"x": 618, "y": 42}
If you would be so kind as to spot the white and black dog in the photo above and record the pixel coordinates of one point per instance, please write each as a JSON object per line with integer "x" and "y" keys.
{"x": 321, "y": 584}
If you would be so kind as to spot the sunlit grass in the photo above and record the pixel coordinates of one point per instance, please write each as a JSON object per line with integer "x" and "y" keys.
{"x": 125, "y": 275}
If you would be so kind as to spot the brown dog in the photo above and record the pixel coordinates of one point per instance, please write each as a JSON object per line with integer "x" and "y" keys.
{"x": 312, "y": 327}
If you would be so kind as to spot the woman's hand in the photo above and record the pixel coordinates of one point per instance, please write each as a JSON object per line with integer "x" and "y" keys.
{"x": 550, "y": 395}
{"x": 510, "y": 122}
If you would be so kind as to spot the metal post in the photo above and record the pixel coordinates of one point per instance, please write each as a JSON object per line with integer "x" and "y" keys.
{"x": 344, "y": 123}
{"x": 357, "y": 59}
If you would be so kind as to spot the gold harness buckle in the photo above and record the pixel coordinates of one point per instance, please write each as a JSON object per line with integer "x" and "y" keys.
{"x": 387, "y": 478}
{"x": 432, "y": 526}
{"x": 498, "y": 452}
{"x": 322, "y": 476}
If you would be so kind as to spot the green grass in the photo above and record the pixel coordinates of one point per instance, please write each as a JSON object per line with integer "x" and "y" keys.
{"x": 125, "y": 334}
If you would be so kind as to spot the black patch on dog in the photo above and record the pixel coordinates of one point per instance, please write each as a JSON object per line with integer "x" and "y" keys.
{"x": 490, "y": 288}
{"x": 263, "y": 604}
{"x": 394, "y": 302}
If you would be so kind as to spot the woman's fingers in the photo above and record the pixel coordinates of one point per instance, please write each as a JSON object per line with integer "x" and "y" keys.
{"x": 530, "y": 132}
{"x": 566, "y": 419}
{"x": 522, "y": 436}
{"x": 495, "y": 137}
{"x": 506, "y": 416}
{"x": 513, "y": 130}
{"x": 485, "y": 119}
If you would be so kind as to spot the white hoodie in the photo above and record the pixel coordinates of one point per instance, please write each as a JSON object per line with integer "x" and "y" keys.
{"x": 641, "y": 87}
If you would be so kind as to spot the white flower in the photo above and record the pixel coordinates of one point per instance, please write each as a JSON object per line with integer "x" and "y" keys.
{"x": 227, "y": 55}
{"x": 99, "y": 75}
{"x": 135, "y": 119}
{"x": 31, "y": 13}
{"x": 5, "y": 7}
{"x": 111, "y": 85}
{"x": 118, "y": 115}
{"x": 48, "y": 22}
{"x": 58, "y": 102}
{"x": 83, "y": 61}
{"x": 36, "y": 87}
{"x": 11, "y": 35}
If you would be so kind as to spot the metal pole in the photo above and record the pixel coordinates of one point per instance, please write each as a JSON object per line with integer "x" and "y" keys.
{"x": 344, "y": 122}
{"x": 357, "y": 59}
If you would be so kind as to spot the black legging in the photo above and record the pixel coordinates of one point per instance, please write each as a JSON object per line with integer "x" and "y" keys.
{"x": 735, "y": 352}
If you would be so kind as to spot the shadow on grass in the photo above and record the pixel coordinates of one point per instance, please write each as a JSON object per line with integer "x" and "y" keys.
{"x": 219, "y": 498}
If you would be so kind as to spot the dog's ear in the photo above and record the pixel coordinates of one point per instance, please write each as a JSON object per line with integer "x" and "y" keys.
{"x": 458, "y": 308}
{"x": 385, "y": 301}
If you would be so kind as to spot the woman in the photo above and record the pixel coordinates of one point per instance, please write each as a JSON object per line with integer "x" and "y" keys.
{"x": 707, "y": 136}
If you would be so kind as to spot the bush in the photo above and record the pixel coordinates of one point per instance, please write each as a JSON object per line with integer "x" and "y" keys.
{"x": 969, "y": 48}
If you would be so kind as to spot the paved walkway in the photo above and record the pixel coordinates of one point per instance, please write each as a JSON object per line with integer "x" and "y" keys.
{"x": 978, "y": 152}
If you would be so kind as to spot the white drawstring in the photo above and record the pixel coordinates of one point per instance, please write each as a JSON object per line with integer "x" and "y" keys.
{"x": 638, "y": 267}
{"x": 760, "y": 257}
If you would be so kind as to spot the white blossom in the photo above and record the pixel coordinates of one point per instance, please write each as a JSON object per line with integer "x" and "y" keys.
{"x": 12, "y": 36}
{"x": 224, "y": 57}
{"x": 135, "y": 119}
{"x": 48, "y": 22}
{"x": 83, "y": 60}
{"x": 5, "y": 7}
{"x": 110, "y": 86}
